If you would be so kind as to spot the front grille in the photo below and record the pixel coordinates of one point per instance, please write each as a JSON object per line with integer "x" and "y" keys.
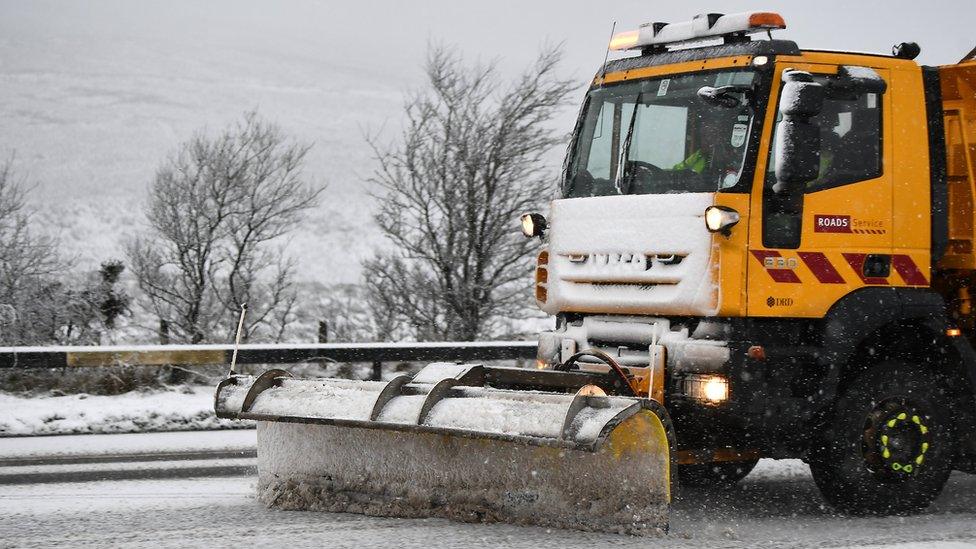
{"x": 612, "y": 285}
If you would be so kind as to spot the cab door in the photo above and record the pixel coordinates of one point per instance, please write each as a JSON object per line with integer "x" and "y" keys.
{"x": 837, "y": 236}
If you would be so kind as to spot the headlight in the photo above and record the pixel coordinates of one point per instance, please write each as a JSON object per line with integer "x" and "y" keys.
{"x": 533, "y": 224}
{"x": 711, "y": 389}
{"x": 719, "y": 219}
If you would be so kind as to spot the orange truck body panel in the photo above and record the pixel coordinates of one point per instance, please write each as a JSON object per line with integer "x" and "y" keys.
{"x": 959, "y": 111}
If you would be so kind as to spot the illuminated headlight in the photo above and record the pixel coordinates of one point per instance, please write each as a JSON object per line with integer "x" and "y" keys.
{"x": 711, "y": 389}
{"x": 719, "y": 219}
{"x": 533, "y": 224}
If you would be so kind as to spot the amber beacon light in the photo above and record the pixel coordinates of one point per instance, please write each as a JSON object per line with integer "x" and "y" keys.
{"x": 703, "y": 26}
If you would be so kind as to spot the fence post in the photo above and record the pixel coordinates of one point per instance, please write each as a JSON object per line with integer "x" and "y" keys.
{"x": 377, "y": 371}
{"x": 163, "y": 332}
{"x": 323, "y": 331}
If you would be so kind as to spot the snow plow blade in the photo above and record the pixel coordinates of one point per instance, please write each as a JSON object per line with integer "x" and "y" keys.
{"x": 461, "y": 441}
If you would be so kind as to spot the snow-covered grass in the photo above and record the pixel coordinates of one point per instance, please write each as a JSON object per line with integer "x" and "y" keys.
{"x": 187, "y": 408}
{"x": 95, "y": 381}
{"x": 49, "y": 411}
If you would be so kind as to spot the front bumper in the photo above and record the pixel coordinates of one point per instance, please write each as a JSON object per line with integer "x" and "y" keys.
{"x": 686, "y": 356}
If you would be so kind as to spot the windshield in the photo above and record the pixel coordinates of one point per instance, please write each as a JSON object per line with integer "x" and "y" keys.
{"x": 673, "y": 142}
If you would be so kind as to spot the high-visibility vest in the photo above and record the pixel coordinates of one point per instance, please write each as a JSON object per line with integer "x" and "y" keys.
{"x": 696, "y": 162}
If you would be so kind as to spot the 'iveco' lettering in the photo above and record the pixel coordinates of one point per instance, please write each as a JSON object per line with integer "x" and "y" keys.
{"x": 633, "y": 261}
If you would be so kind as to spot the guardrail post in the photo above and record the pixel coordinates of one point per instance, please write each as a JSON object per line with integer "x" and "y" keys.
{"x": 377, "y": 374}
{"x": 323, "y": 331}
{"x": 163, "y": 332}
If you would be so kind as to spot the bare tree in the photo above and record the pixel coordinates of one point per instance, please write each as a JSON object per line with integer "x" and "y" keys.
{"x": 342, "y": 307}
{"x": 93, "y": 304}
{"x": 469, "y": 162}
{"x": 31, "y": 294}
{"x": 216, "y": 210}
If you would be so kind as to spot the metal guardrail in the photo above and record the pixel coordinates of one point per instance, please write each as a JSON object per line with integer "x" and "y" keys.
{"x": 200, "y": 355}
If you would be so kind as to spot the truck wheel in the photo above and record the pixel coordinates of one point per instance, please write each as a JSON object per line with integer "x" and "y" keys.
{"x": 890, "y": 446}
{"x": 714, "y": 474}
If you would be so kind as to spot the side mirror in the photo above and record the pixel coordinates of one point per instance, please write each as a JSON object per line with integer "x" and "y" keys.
{"x": 797, "y": 158}
{"x": 853, "y": 81}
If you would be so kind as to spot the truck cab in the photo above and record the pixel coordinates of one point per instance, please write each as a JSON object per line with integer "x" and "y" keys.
{"x": 761, "y": 235}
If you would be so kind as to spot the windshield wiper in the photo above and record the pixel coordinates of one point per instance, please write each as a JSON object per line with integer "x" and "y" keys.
{"x": 622, "y": 162}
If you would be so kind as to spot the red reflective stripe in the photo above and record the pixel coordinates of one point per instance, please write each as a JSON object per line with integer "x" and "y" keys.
{"x": 784, "y": 275}
{"x": 908, "y": 271}
{"x": 856, "y": 261}
{"x": 778, "y": 275}
{"x": 761, "y": 255}
{"x": 821, "y": 267}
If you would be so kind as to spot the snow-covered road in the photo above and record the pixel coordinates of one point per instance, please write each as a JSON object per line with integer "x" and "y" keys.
{"x": 207, "y": 512}
{"x": 777, "y": 506}
{"x": 76, "y": 458}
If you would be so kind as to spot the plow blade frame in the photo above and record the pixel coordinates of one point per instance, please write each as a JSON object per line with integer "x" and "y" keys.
{"x": 449, "y": 443}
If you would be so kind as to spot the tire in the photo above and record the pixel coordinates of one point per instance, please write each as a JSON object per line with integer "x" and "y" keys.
{"x": 723, "y": 474}
{"x": 890, "y": 445}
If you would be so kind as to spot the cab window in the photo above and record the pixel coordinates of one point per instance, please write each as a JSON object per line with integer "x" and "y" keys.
{"x": 850, "y": 141}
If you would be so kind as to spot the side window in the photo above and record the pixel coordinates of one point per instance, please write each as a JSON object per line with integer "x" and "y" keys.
{"x": 600, "y": 152}
{"x": 609, "y": 131}
{"x": 850, "y": 140}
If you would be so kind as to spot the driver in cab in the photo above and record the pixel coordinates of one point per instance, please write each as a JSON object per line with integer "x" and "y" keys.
{"x": 715, "y": 144}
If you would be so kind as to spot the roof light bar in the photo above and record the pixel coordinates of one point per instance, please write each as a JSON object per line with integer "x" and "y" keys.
{"x": 706, "y": 25}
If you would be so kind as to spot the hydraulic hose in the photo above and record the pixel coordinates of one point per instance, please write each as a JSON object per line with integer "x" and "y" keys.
{"x": 609, "y": 360}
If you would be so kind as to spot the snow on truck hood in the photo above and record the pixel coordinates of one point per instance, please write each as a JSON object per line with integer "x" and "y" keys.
{"x": 634, "y": 254}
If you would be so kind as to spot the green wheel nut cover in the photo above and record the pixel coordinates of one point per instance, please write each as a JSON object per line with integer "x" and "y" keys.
{"x": 886, "y": 452}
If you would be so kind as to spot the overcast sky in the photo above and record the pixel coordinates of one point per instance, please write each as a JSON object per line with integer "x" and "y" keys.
{"x": 94, "y": 94}
{"x": 135, "y": 77}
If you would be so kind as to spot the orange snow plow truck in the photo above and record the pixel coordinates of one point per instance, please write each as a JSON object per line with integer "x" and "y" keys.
{"x": 757, "y": 251}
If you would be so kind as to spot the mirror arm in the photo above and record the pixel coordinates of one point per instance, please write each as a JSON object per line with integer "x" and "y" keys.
{"x": 722, "y": 96}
